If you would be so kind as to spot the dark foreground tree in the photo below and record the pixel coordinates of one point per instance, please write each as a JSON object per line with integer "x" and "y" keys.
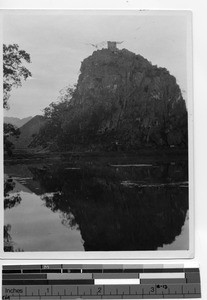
{"x": 13, "y": 69}
{"x": 13, "y": 73}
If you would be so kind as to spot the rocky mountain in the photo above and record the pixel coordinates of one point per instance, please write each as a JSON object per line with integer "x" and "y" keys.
{"x": 121, "y": 102}
{"x": 16, "y": 121}
{"x": 28, "y": 131}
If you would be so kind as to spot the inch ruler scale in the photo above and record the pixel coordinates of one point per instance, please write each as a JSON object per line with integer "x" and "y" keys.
{"x": 64, "y": 281}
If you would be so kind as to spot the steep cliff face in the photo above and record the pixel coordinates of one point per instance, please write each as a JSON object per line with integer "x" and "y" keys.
{"x": 123, "y": 101}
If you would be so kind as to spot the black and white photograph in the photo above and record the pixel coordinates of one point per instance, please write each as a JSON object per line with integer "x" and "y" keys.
{"x": 96, "y": 131}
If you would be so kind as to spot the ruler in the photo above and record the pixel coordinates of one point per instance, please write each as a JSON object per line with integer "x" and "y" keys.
{"x": 64, "y": 281}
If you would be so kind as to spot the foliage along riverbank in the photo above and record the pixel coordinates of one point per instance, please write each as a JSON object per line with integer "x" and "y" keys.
{"x": 142, "y": 155}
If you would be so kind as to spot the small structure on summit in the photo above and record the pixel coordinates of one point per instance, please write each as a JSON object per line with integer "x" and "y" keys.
{"x": 113, "y": 45}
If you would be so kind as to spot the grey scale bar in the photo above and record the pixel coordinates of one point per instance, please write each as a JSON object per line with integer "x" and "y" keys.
{"x": 115, "y": 275}
{"x": 145, "y": 268}
{"x": 112, "y": 267}
{"x": 133, "y": 271}
{"x": 11, "y": 271}
{"x": 163, "y": 281}
{"x": 167, "y": 270}
{"x": 12, "y": 267}
{"x": 48, "y": 282}
{"x": 23, "y": 267}
{"x": 92, "y": 267}
{"x": 24, "y": 276}
{"x": 31, "y": 271}
{"x": 191, "y": 269}
{"x": 193, "y": 277}
{"x": 46, "y": 267}
{"x": 71, "y": 270}
{"x": 72, "y": 266}
{"x": 133, "y": 297}
{"x": 92, "y": 270}
{"x": 51, "y": 271}
{"x": 112, "y": 271}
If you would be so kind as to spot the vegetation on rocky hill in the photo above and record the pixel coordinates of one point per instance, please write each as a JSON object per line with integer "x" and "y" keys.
{"x": 121, "y": 102}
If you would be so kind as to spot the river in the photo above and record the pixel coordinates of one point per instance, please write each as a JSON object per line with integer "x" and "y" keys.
{"x": 118, "y": 205}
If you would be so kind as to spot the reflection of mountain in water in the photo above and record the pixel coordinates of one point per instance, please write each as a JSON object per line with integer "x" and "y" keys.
{"x": 112, "y": 216}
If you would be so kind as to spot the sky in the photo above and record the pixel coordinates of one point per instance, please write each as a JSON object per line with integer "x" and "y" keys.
{"x": 59, "y": 41}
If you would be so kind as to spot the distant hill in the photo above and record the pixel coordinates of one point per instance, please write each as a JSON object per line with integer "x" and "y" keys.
{"x": 28, "y": 132}
{"x": 17, "y": 121}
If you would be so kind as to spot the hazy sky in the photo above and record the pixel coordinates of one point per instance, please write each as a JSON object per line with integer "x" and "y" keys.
{"x": 57, "y": 43}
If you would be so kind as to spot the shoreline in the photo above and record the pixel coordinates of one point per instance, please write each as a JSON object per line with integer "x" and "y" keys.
{"x": 113, "y": 157}
{"x": 25, "y": 154}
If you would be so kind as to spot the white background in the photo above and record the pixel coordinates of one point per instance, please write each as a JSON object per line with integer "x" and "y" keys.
{"x": 199, "y": 9}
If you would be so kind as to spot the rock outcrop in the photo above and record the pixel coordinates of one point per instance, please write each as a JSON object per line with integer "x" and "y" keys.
{"x": 121, "y": 102}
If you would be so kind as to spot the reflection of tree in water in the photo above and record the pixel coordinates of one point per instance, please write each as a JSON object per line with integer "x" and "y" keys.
{"x": 54, "y": 202}
{"x": 113, "y": 217}
{"x": 9, "y": 202}
{"x": 8, "y": 244}
{"x": 9, "y": 185}
{"x": 12, "y": 201}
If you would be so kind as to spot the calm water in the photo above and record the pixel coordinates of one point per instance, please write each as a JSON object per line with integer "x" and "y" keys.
{"x": 88, "y": 206}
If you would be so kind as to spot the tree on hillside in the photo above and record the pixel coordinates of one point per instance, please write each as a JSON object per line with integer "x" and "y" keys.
{"x": 9, "y": 131}
{"x": 55, "y": 115}
{"x": 13, "y": 69}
